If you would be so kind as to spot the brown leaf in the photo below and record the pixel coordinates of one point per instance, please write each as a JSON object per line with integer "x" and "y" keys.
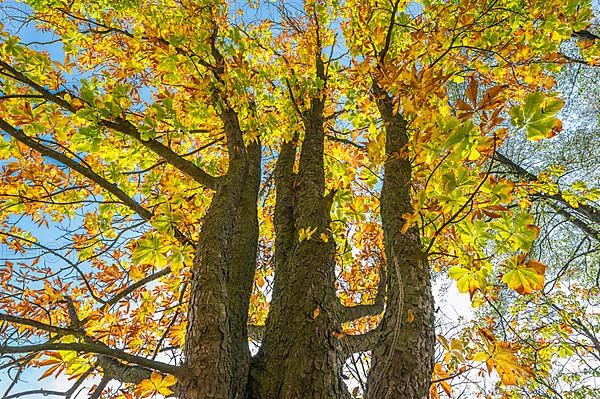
{"x": 489, "y": 99}
{"x": 472, "y": 91}
{"x": 463, "y": 106}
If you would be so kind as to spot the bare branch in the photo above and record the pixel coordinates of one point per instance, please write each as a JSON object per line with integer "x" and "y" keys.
{"x": 574, "y": 215}
{"x": 356, "y": 312}
{"x": 119, "y": 371}
{"x": 37, "y": 324}
{"x": 360, "y": 343}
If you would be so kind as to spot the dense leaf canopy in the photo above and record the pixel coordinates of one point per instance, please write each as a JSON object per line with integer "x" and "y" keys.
{"x": 123, "y": 126}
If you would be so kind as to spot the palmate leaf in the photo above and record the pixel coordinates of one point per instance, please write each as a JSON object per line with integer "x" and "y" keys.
{"x": 502, "y": 357}
{"x": 468, "y": 280}
{"x": 524, "y": 277}
{"x": 156, "y": 384}
{"x": 537, "y": 115}
{"x": 150, "y": 250}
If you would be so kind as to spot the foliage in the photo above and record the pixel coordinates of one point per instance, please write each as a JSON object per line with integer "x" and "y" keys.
{"x": 115, "y": 145}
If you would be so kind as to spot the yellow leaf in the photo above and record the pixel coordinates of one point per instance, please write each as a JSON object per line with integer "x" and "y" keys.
{"x": 524, "y": 277}
{"x": 168, "y": 381}
{"x": 506, "y": 364}
{"x": 301, "y": 234}
{"x": 440, "y": 375}
{"x": 316, "y": 313}
{"x": 467, "y": 280}
{"x": 433, "y": 392}
{"x": 306, "y": 233}
{"x": 51, "y": 370}
{"x": 156, "y": 384}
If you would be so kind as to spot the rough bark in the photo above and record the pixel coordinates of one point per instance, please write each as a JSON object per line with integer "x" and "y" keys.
{"x": 298, "y": 357}
{"x": 285, "y": 231}
{"x": 210, "y": 351}
{"x": 402, "y": 360}
{"x": 240, "y": 272}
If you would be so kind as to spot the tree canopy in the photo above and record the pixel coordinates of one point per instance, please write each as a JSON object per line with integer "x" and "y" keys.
{"x": 247, "y": 199}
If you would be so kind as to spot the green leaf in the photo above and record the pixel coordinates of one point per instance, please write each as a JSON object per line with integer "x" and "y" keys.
{"x": 467, "y": 280}
{"x": 537, "y": 115}
{"x": 150, "y": 250}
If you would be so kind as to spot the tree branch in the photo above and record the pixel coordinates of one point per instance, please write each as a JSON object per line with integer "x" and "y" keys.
{"x": 126, "y": 127}
{"x": 20, "y": 136}
{"x": 256, "y": 332}
{"x": 171, "y": 157}
{"x": 96, "y": 348}
{"x": 37, "y": 324}
{"x": 125, "y": 373}
{"x": 360, "y": 343}
{"x": 584, "y": 210}
{"x": 42, "y": 392}
{"x": 349, "y": 313}
{"x": 117, "y": 297}
{"x": 585, "y": 35}
{"x": 113, "y": 189}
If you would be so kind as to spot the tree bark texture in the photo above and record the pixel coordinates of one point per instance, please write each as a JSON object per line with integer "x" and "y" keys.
{"x": 301, "y": 353}
{"x": 217, "y": 358}
{"x": 402, "y": 360}
{"x": 298, "y": 356}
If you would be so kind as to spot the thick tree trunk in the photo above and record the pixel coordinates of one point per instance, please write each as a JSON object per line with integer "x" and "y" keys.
{"x": 402, "y": 360}
{"x": 298, "y": 356}
{"x": 241, "y": 269}
{"x": 214, "y": 359}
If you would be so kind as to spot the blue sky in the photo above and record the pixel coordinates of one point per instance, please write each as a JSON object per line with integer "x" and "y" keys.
{"x": 28, "y": 34}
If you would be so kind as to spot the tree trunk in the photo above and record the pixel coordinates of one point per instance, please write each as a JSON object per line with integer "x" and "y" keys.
{"x": 215, "y": 358}
{"x": 298, "y": 356}
{"x": 241, "y": 269}
{"x": 402, "y": 360}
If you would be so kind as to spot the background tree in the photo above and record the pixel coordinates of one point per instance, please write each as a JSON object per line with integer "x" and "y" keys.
{"x": 141, "y": 148}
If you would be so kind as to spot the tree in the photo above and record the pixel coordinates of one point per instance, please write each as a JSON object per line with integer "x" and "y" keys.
{"x": 377, "y": 126}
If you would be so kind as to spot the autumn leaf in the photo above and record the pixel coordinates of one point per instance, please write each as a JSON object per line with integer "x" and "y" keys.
{"x": 150, "y": 250}
{"x": 472, "y": 90}
{"x": 440, "y": 378}
{"x": 490, "y": 99}
{"x": 156, "y": 384}
{"x": 501, "y": 356}
{"x": 524, "y": 276}
{"x": 136, "y": 146}
{"x": 306, "y": 233}
{"x": 504, "y": 361}
{"x": 468, "y": 280}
